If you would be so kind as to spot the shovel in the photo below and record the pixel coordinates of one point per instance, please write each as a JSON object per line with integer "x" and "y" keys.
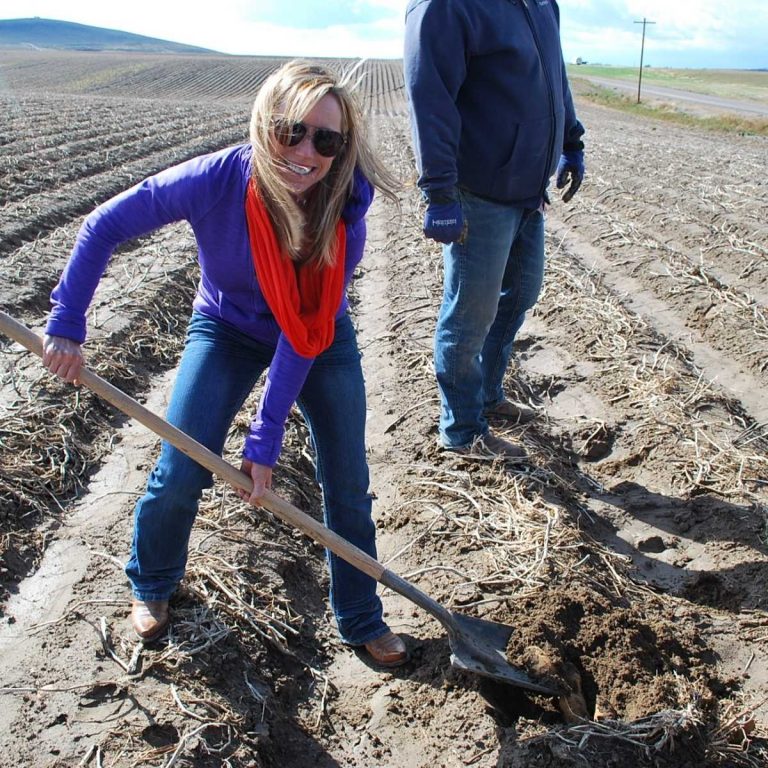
{"x": 476, "y": 645}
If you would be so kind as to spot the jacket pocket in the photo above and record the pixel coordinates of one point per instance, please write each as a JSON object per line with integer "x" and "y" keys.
{"x": 523, "y": 174}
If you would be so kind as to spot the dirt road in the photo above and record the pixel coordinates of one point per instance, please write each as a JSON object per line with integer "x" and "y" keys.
{"x": 698, "y": 102}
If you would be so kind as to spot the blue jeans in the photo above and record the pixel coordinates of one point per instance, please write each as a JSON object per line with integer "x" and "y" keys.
{"x": 218, "y": 370}
{"x": 490, "y": 281}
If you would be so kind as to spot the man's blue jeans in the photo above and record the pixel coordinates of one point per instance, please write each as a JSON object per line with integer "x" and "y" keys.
{"x": 490, "y": 280}
{"x": 218, "y": 370}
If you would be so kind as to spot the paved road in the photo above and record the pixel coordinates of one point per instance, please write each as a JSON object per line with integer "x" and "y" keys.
{"x": 712, "y": 103}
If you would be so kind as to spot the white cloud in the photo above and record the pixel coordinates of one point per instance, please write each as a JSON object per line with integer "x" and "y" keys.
{"x": 691, "y": 33}
{"x": 231, "y": 27}
{"x": 685, "y": 33}
{"x": 371, "y": 41}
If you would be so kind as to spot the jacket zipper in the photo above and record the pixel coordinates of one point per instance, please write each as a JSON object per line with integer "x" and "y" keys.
{"x": 549, "y": 93}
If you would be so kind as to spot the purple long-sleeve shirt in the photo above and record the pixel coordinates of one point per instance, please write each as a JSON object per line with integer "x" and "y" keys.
{"x": 209, "y": 192}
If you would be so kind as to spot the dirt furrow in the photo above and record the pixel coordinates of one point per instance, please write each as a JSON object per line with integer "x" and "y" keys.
{"x": 40, "y": 213}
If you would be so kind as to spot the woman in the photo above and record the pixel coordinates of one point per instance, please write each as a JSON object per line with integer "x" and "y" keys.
{"x": 280, "y": 229}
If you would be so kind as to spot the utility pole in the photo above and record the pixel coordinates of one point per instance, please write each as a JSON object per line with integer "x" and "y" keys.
{"x": 642, "y": 50}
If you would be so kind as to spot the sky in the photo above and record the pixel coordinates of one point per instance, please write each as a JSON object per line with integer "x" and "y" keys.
{"x": 685, "y": 33}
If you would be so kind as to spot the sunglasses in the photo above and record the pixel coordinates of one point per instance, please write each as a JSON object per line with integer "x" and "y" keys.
{"x": 326, "y": 142}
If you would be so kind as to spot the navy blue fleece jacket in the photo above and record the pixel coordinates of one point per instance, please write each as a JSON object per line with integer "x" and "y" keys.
{"x": 491, "y": 108}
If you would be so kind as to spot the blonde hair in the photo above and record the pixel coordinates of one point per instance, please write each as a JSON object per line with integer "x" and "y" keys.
{"x": 307, "y": 232}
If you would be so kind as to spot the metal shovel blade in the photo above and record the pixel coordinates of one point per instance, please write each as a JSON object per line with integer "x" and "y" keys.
{"x": 480, "y": 646}
{"x": 477, "y": 645}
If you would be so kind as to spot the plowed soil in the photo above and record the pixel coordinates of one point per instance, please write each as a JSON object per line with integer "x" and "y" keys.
{"x": 629, "y": 554}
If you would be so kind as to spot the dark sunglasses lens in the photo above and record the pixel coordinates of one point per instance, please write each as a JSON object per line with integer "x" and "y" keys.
{"x": 289, "y": 134}
{"x": 328, "y": 143}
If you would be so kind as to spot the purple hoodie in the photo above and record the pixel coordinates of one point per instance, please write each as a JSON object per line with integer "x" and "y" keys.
{"x": 209, "y": 192}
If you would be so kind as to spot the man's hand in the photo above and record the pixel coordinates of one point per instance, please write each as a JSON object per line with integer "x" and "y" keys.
{"x": 63, "y": 357}
{"x": 444, "y": 222}
{"x": 262, "y": 480}
{"x": 570, "y": 169}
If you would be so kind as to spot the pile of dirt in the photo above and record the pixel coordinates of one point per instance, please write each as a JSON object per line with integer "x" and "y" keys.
{"x": 630, "y": 664}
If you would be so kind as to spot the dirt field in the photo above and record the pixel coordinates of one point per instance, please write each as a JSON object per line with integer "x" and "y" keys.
{"x": 630, "y": 554}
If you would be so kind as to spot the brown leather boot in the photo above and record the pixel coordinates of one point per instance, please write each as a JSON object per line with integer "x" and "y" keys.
{"x": 512, "y": 412}
{"x": 149, "y": 619}
{"x": 487, "y": 446}
{"x": 388, "y": 650}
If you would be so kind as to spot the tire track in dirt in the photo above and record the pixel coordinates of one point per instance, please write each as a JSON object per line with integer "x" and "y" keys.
{"x": 365, "y": 727}
{"x": 49, "y": 595}
{"x": 732, "y": 378}
{"x": 683, "y": 212}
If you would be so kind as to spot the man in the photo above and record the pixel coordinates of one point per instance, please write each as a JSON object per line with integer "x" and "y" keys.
{"x": 491, "y": 114}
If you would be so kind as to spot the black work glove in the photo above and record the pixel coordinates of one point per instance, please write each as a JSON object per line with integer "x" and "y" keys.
{"x": 570, "y": 169}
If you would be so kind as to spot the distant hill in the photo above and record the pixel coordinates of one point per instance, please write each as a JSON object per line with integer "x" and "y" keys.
{"x": 65, "y": 35}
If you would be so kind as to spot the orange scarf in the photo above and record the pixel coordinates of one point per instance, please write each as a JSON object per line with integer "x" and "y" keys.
{"x": 304, "y": 301}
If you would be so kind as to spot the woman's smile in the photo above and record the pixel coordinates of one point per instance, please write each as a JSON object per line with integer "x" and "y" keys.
{"x": 302, "y": 166}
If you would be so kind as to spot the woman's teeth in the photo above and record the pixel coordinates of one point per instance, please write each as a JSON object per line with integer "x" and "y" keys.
{"x": 302, "y": 170}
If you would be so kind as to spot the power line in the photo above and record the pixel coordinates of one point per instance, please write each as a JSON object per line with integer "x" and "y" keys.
{"x": 644, "y": 22}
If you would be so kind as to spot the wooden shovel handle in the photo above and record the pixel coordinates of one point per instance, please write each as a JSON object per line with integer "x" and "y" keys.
{"x": 203, "y": 456}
